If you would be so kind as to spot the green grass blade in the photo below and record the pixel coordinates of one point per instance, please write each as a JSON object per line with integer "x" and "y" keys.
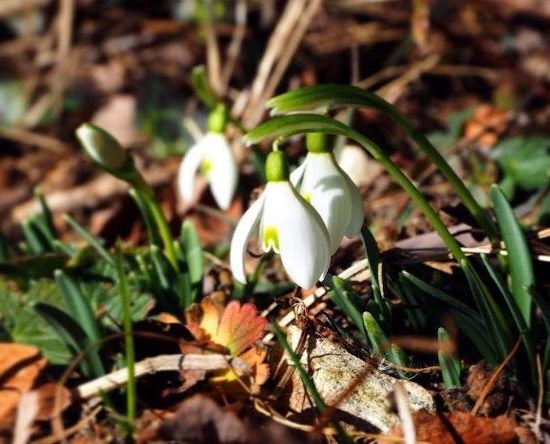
{"x": 77, "y": 305}
{"x": 161, "y": 266}
{"x": 450, "y": 366}
{"x": 412, "y": 305}
{"x": 519, "y": 261}
{"x": 192, "y": 250}
{"x": 490, "y": 311}
{"x": 148, "y": 218}
{"x": 467, "y": 319}
{"x": 517, "y": 316}
{"x": 440, "y": 294}
{"x": 46, "y": 214}
{"x": 33, "y": 237}
{"x": 74, "y": 337}
{"x": 202, "y": 88}
{"x": 92, "y": 240}
{"x": 373, "y": 261}
{"x": 339, "y": 295}
{"x": 380, "y": 343}
{"x": 308, "y": 383}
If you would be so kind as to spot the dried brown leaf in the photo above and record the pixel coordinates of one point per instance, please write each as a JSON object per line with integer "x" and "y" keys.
{"x": 20, "y": 367}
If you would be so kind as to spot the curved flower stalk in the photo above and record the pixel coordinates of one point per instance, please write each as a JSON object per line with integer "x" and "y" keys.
{"x": 213, "y": 156}
{"x": 329, "y": 190}
{"x": 286, "y": 224}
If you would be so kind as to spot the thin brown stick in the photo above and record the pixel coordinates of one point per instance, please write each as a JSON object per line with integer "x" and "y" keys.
{"x": 492, "y": 381}
{"x": 287, "y": 55}
{"x": 275, "y": 47}
{"x": 52, "y": 439}
{"x": 234, "y": 47}
{"x": 213, "y": 65}
{"x": 12, "y": 7}
{"x": 404, "y": 412}
{"x": 31, "y": 138}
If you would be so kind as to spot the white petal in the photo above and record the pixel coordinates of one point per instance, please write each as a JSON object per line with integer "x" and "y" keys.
{"x": 296, "y": 175}
{"x": 245, "y": 228}
{"x": 357, "y": 211}
{"x": 223, "y": 174}
{"x": 328, "y": 192}
{"x": 188, "y": 169}
{"x": 302, "y": 236}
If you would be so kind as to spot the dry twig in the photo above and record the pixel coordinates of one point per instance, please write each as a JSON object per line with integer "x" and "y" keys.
{"x": 162, "y": 363}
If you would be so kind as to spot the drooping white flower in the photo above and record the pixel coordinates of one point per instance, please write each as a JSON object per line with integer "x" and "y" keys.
{"x": 332, "y": 193}
{"x": 214, "y": 157}
{"x": 285, "y": 223}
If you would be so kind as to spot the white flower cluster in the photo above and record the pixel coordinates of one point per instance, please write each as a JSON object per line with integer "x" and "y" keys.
{"x": 302, "y": 216}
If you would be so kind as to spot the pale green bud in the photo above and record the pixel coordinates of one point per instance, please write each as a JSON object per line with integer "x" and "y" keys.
{"x": 103, "y": 148}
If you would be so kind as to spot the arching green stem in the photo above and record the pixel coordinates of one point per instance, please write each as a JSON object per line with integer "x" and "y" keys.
{"x": 287, "y": 126}
{"x": 338, "y": 96}
{"x": 147, "y": 195}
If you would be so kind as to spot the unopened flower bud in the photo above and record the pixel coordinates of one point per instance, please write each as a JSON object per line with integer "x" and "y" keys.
{"x": 103, "y": 148}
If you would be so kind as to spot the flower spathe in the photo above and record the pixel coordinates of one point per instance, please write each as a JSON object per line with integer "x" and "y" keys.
{"x": 332, "y": 193}
{"x": 285, "y": 223}
{"x": 214, "y": 157}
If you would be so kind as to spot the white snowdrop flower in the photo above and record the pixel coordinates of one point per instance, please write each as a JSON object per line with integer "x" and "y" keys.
{"x": 330, "y": 191}
{"x": 285, "y": 223}
{"x": 213, "y": 156}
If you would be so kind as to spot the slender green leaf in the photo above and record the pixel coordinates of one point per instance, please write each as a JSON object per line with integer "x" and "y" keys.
{"x": 46, "y": 214}
{"x": 33, "y": 237}
{"x": 74, "y": 337}
{"x": 411, "y": 304}
{"x": 490, "y": 312}
{"x": 517, "y": 316}
{"x": 88, "y": 237}
{"x": 161, "y": 266}
{"x": 78, "y": 306}
{"x": 148, "y": 218}
{"x": 522, "y": 276}
{"x": 306, "y": 380}
{"x": 380, "y": 343}
{"x": 339, "y": 295}
{"x": 192, "y": 249}
{"x": 202, "y": 87}
{"x": 373, "y": 261}
{"x": 450, "y": 366}
{"x": 467, "y": 319}
{"x": 441, "y": 295}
